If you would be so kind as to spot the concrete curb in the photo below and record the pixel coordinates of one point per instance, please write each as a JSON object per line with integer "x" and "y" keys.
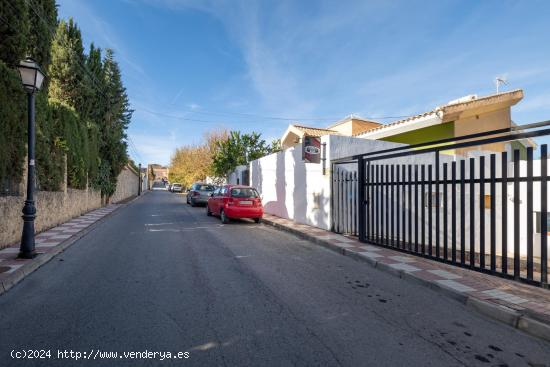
{"x": 529, "y": 324}
{"x": 40, "y": 260}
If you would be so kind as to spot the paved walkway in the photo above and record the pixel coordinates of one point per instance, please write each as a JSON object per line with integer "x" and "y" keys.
{"x": 48, "y": 243}
{"x": 519, "y": 305}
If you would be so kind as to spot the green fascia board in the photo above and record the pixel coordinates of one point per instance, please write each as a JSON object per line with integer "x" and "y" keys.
{"x": 425, "y": 135}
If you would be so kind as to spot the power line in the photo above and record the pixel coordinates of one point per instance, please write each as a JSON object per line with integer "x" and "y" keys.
{"x": 288, "y": 118}
{"x": 178, "y": 117}
{"x": 51, "y": 29}
{"x": 133, "y": 147}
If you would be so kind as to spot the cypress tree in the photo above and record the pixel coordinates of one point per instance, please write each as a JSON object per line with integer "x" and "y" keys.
{"x": 113, "y": 148}
{"x": 82, "y": 111}
{"x": 66, "y": 69}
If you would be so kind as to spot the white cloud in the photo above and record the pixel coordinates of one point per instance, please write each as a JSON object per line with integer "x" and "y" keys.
{"x": 155, "y": 148}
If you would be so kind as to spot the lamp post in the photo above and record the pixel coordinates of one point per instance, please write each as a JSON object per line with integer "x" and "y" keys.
{"x": 32, "y": 78}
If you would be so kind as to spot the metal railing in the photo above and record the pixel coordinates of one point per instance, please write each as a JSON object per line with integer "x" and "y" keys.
{"x": 478, "y": 201}
{"x": 344, "y": 201}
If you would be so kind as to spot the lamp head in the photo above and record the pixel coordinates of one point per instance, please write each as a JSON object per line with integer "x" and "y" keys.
{"x": 32, "y": 76}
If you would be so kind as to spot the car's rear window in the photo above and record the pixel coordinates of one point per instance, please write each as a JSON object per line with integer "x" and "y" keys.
{"x": 244, "y": 193}
{"x": 204, "y": 188}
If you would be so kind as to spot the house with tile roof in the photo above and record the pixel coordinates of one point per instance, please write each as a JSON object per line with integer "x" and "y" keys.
{"x": 302, "y": 191}
{"x": 463, "y": 116}
{"x": 349, "y": 126}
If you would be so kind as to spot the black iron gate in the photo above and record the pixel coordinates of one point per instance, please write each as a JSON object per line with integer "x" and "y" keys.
{"x": 344, "y": 200}
{"x": 477, "y": 201}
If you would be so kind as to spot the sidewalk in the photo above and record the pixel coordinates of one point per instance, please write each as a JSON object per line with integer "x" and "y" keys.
{"x": 48, "y": 244}
{"x": 521, "y": 306}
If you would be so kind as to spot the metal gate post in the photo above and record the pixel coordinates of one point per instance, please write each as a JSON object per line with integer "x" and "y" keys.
{"x": 361, "y": 198}
{"x": 331, "y": 175}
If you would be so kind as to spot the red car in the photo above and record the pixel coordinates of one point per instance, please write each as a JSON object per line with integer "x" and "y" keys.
{"x": 235, "y": 201}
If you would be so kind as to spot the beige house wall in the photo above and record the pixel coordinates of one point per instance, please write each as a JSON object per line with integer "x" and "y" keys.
{"x": 290, "y": 141}
{"x": 482, "y": 122}
{"x": 354, "y": 126}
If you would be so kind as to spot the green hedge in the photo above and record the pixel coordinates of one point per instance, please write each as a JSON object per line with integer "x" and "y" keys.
{"x": 49, "y": 154}
{"x": 13, "y": 127}
{"x": 59, "y": 132}
{"x": 81, "y": 117}
{"x": 79, "y": 141}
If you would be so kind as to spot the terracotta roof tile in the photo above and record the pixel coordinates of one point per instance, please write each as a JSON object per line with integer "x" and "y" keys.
{"x": 398, "y": 122}
{"x": 518, "y": 93}
{"x": 315, "y": 131}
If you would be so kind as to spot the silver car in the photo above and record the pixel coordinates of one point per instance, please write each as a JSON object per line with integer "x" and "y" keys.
{"x": 176, "y": 187}
{"x": 199, "y": 193}
{"x": 159, "y": 185}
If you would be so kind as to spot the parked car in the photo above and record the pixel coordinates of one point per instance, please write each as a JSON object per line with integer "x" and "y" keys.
{"x": 159, "y": 185}
{"x": 176, "y": 187}
{"x": 235, "y": 201}
{"x": 199, "y": 193}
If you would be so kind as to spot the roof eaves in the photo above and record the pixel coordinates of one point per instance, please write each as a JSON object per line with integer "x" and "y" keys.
{"x": 399, "y": 122}
{"x": 518, "y": 93}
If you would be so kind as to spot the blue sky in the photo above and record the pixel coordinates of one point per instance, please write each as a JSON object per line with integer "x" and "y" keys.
{"x": 191, "y": 66}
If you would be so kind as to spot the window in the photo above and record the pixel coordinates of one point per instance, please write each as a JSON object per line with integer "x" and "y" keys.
{"x": 244, "y": 192}
{"x": 200, "y": 187}
{"x": 434, "y": 204}
{"x": 487, "y": 201}
{"x": 538, "y": 216}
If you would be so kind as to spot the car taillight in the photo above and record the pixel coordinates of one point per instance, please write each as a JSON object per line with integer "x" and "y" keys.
{"x": 231, "y": 201}
{"x": 196, "y": 193}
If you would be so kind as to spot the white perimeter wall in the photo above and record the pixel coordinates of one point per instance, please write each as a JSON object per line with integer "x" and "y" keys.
{"x": 236, "y": 174}
{"x": 296, "y": 190}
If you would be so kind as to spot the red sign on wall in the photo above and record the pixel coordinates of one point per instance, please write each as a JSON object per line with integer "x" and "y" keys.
{"x": 311, "y": 149}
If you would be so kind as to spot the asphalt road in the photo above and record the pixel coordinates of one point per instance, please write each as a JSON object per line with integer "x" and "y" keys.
{"x": 160, "y": 276}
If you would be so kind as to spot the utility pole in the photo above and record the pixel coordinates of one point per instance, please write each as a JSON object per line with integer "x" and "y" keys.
{"x": 139, "y": 180}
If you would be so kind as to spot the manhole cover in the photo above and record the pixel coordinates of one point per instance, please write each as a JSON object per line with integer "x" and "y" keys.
{"x": 3, "y": 269}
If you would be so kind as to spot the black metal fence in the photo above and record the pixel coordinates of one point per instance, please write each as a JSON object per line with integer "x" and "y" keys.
{"x": 477, "y": 201}
{"x": 344, "y": 200}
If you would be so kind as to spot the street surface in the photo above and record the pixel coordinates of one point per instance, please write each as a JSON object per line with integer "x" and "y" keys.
{"x": 160, "y": 276}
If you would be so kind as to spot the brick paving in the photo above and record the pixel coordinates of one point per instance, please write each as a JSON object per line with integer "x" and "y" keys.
{"x": 48, "y": 241}
{"x": 522, "y": 298}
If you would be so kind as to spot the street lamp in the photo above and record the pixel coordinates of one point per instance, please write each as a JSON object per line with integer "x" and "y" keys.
{"x": 32, "y": 78}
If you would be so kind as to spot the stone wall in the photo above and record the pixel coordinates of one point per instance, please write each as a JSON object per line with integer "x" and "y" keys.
{"x": 127, "y": 185}
{"x": 52, "y": 208}
{"x": 56, "y": 207}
